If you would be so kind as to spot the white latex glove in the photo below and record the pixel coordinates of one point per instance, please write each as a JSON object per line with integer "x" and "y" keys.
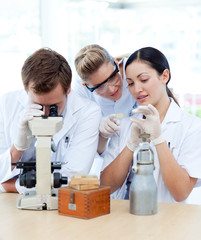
{"x": 151, "y": 124}
{"x": 24, "y": 136}
{"x": 109, "y": 125}
{"x": 134, "y": 139}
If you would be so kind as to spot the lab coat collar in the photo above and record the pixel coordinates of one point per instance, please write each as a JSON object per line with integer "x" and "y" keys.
{"x": 23, "y": 98}
{"x": 174, "y": 113}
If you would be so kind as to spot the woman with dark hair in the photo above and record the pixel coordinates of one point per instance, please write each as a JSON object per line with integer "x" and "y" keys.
{"x": 173, "y": 133}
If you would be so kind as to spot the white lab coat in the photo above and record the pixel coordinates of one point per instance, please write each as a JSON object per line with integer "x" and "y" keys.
{"x": 124, "y": 105}
{"x": 76, "y": 142}
{"x": 182, "y": 131}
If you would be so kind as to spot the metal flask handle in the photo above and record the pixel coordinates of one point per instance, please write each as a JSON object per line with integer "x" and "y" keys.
{"x": 144, "y": 145}
{"x": 152, "y": 157}
{"x": 137, "y": 150}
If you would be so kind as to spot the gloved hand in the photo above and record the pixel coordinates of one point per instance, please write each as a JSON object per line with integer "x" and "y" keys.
{"x": 151, "y": 124}
{"x": 134, "y": 139}
{"x": 24, "y": 136}
{"x": 109, "y": 125}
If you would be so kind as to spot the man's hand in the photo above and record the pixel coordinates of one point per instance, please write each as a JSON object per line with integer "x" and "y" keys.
{"x": 24, "y": 136}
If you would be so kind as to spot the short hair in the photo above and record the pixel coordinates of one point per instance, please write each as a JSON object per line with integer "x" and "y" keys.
{"x": 45, "y": 69}
{"x": 89, "y": 59}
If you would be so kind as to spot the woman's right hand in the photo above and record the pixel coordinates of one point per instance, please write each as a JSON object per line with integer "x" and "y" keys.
{"x": 109, "y": 125}
{"x": 134, "y": 139}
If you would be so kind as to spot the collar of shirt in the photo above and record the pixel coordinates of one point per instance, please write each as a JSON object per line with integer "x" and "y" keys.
{"x": 174, "y": 113}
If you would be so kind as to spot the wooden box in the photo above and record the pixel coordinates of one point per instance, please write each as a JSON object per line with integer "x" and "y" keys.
{"x": 84, "y": 203}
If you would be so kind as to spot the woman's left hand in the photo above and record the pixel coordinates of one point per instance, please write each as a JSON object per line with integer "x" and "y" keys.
{"x": 151, "y": 124}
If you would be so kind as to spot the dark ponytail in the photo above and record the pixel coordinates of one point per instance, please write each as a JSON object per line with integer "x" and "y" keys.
{"x": 171, "y": 95}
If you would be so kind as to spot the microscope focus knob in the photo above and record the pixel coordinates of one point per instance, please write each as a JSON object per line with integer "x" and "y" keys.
{"x": 28, "y": 179}
{"x": 59, "y": 180}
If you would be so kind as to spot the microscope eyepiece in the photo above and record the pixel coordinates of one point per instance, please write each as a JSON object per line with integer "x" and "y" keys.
{"x": 53, "y": 110}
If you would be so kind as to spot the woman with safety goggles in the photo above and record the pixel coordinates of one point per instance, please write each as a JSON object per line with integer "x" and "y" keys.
{"x": 103, "y": 80}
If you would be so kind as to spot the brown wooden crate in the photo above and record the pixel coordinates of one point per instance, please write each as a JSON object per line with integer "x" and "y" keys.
{"x": 84, "y": 204}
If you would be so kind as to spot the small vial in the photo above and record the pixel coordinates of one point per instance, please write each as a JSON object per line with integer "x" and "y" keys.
{"x": 119, "y": 115}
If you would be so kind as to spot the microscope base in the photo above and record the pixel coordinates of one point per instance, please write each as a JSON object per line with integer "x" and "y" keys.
{"x": 33, "y": 201}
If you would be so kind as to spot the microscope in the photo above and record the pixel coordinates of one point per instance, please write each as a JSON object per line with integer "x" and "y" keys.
{"x": 40, "y": 172}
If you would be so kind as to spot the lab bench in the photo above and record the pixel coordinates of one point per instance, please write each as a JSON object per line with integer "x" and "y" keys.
{"x": 174, "y": 221}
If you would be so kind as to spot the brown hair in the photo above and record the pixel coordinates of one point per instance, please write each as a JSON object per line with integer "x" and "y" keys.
{"x": 89, "y": 59}
{"x": 45, "y": 69}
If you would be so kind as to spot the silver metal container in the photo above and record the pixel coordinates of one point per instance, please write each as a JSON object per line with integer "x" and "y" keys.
{"x": 143, "y": 189}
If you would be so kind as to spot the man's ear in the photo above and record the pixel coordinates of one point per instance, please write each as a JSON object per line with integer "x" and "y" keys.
{"x": 165, "y": 76}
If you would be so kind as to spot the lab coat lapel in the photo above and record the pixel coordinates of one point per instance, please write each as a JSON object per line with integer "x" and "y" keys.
{"x": 69, "y": 118}
{"x": 68, "y": 123}
{"x": 173, "y": 114}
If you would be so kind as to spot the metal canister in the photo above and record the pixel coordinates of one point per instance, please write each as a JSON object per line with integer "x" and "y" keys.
{"x": 143, "y": 189}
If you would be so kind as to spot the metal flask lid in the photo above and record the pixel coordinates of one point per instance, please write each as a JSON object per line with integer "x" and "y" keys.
{"x": 143, "y": 154}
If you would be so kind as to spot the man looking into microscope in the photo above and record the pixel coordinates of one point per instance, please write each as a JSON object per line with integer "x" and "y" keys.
{"x": 46, "y": 77}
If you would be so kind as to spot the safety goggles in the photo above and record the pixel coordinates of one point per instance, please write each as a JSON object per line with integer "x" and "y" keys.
{"x": 109, "y": 81}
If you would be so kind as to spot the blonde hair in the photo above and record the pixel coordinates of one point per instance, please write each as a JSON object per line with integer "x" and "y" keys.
{"x": 119, "y": 57}
{"x": 89, "y": 59}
